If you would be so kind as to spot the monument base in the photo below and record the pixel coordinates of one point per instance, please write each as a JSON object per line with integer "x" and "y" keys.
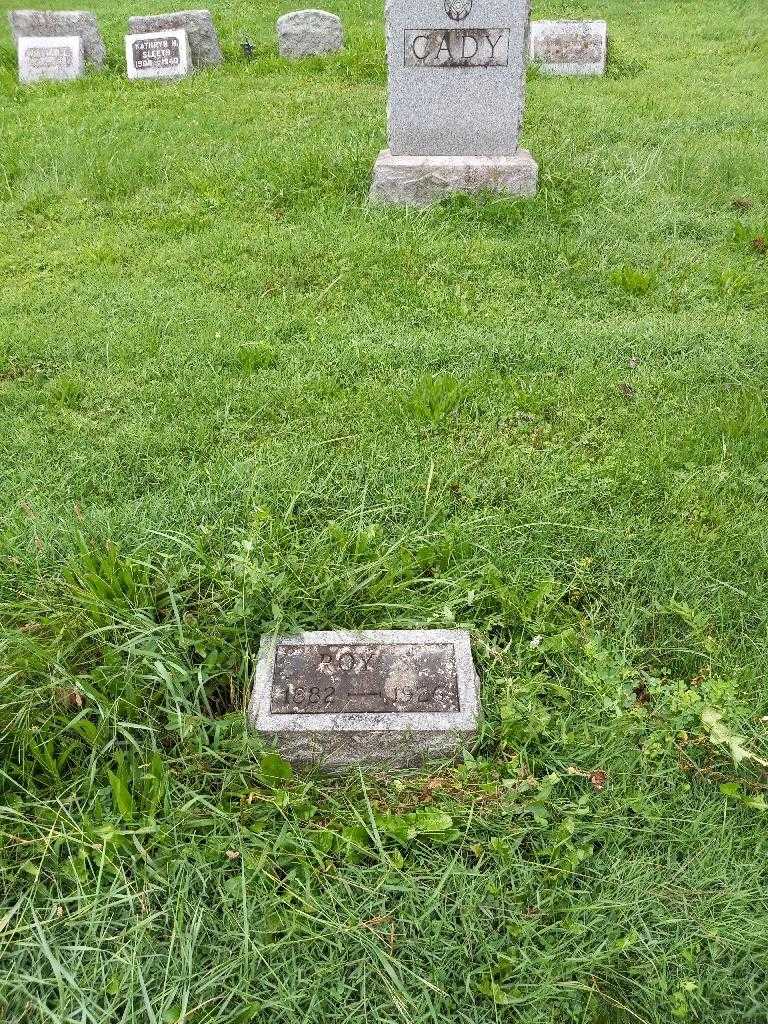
{"x": 421, "y": 180}
{"x": 334, "y": 750}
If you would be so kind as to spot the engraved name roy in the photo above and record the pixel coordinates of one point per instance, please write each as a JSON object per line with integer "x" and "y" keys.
{"x": 359, "y": 678}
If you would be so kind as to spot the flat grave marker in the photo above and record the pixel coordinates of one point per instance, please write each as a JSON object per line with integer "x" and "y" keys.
{"x": 377, "y": 696}
{"x": 569, "y": 47}
{"x": 158, "y": 55}
{"x": 50, "y": 58}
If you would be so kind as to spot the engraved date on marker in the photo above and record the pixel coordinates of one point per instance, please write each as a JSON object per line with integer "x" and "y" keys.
{"x": 364, "y": 678}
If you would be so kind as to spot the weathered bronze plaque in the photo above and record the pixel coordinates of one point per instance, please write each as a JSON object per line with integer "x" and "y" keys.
{"x": 314, "y": 679}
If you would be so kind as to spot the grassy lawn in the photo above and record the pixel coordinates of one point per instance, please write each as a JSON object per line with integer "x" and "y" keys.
{"x": 236, "y": 399}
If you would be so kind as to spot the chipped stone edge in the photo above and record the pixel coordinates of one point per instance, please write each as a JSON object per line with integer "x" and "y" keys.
{"x": 286, "y": 21}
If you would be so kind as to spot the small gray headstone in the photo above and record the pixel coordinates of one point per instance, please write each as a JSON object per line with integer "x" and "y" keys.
{"x": 569, "y": 47}
{"x": 157, "y": 55}
{"x": 61, "y": 23}
{"x": 50, "y": 58}
{"x": 377, "y": 696}
{"x": 202, "y": 36}
{"x": 456, "y": 95}
{"x": 309, "y": 33}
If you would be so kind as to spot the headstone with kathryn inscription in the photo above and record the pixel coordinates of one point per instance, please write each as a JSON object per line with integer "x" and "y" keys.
{"x": 61, "y": 23}
{"x": 202, "y": 37}
{"x": 456, "y": 96}
{"x": 158, "y": 55}
{"x": 50, "y": 58}
{"x": 569, "y": 47}
{"x": 378, "y": 696}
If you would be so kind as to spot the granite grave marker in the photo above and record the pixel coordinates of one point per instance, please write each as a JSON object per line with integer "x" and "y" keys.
{"x": 342, "y": 698}
{"x": 61, "y": 23}
{"x": 456, "y": 95}
{"x": 569, "y": 47}
{"x": 157, "y": 55}
{"x": 50, "y": 58}
{"x": 310, "y": 33}
{"x": 202, "y": 37}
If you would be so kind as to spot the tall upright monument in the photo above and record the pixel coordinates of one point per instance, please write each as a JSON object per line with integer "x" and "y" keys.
{"x": 456, "y": 97}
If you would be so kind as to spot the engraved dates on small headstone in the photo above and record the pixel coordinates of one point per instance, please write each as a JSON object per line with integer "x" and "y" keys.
{"x": 158, "y": 54}
{"x": 202, "y": 37}
{"x": 48, "y": 58}
{"x": 340, "y": 698}
{"x": 38, "y": 25}
{"x": 52, "y": 58}
{"x": 364, "y": 678}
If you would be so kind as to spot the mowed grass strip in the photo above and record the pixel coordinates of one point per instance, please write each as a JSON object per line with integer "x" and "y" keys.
{"x": 236, "y": 399}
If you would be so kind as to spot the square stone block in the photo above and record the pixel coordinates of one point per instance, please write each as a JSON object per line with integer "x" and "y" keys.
{"x": 569, "y": 47}
{"x": 50, "y": 58}
{"x": 202, "y": 37}
{"x": 338, "y": 698}
{"x": 158, "y": 55}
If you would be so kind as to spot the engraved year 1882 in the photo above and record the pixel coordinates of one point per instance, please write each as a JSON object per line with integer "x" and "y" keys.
{"x": 364, "y": 678}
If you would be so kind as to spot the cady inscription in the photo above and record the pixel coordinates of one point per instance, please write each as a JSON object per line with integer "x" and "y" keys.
{"x": 316, "y": 679}
{"x": 456, "y": 47}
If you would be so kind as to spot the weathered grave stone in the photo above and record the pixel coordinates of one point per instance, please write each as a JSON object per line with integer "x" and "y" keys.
{"x": 50, "y": 58}
{"x": 569, "y": 47}
{"x": 456, "y": 94}
{"x": 61, "y": 23}
{"x": 158, "y": 55}
{"x": 378, "y": 696}
{"x": 202, "y": 36}
{"x": 309, "y": 33}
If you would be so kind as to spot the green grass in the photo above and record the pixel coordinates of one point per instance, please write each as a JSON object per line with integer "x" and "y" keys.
{"x": 236, "y": 399}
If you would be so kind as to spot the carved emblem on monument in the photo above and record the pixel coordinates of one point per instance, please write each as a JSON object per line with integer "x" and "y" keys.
{"x": 457, "y": 10}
